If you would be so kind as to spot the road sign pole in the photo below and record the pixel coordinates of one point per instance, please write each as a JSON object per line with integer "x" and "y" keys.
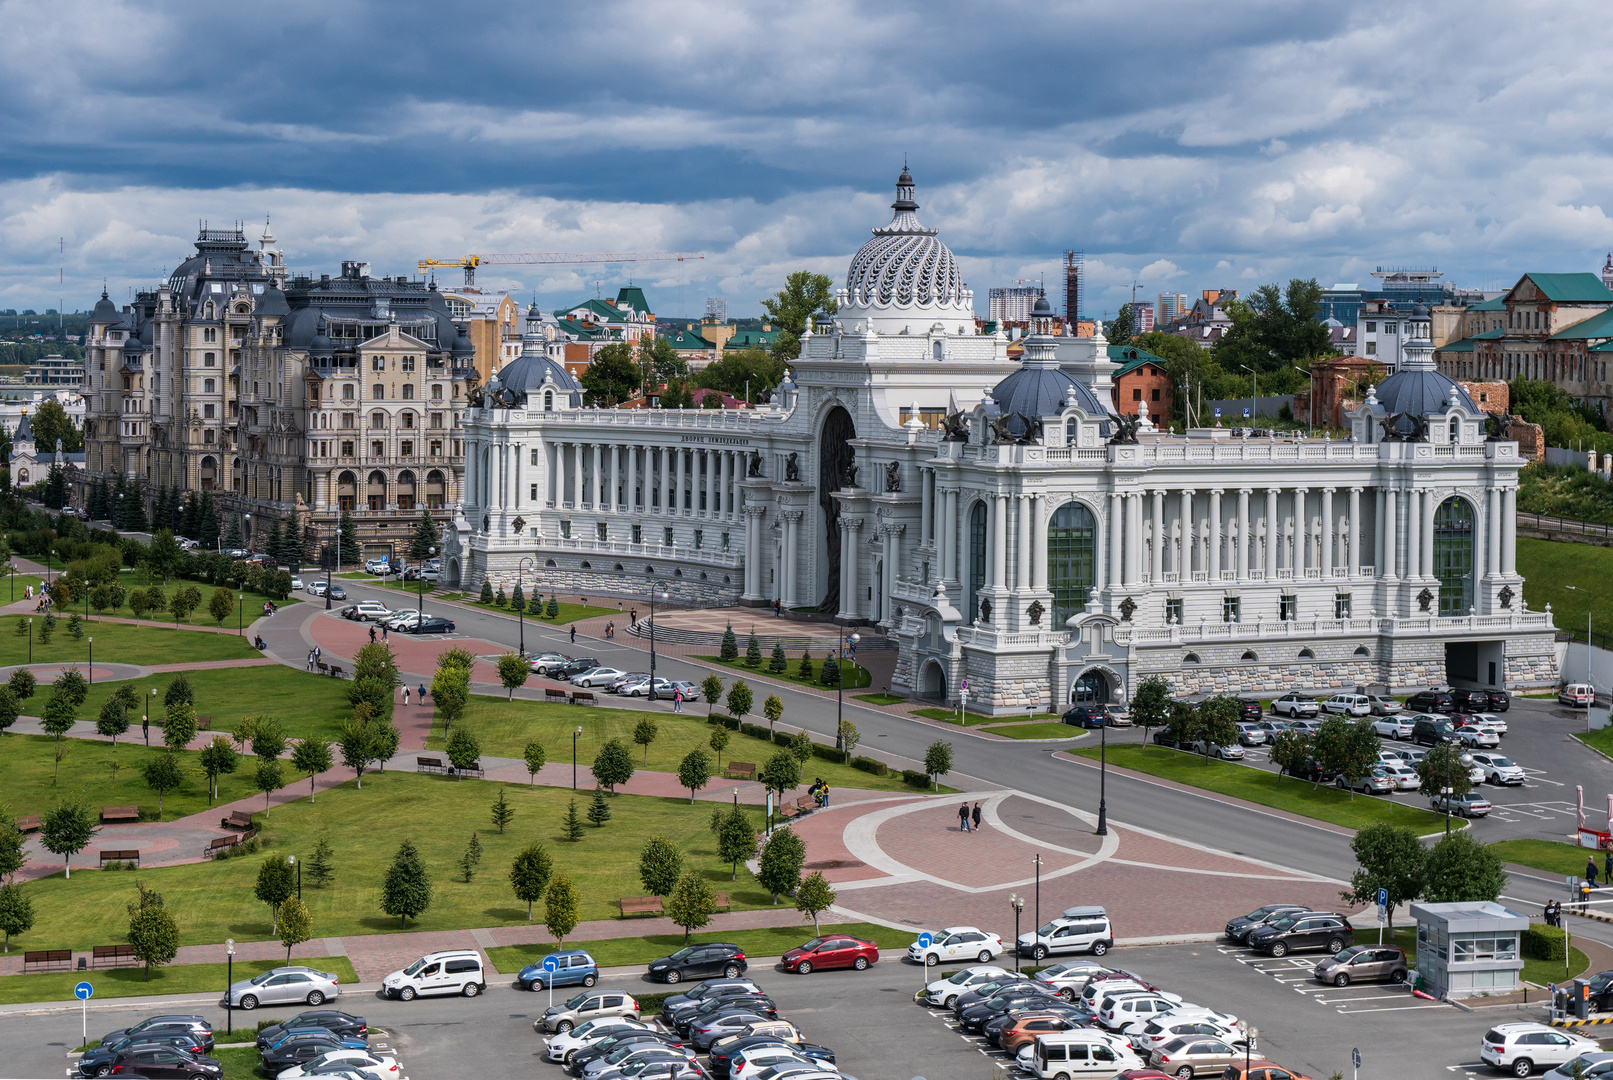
{"x": 924, "y": 961}
{"x": 1355, "y": 1063}
{"x": 83, "y": 991}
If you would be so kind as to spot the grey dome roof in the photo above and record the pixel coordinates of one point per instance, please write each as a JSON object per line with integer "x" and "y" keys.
{"x": 1041, "y": 391}
{"x": 525, "y": 375}
{"x": 1420, "y": 391}
{"x": 272, "y": 302}
{"x": 462, "y": 345}
{"x": 1041, "y": 307}
{"x": 105, "y": 310}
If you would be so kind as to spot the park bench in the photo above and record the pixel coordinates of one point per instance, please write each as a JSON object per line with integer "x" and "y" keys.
{"x": 203, "y": 723}
{"x": 220, "y": 843}
{"x": 336, "y": 672}
{"x": 429, "y": 764}
{"x": 113, "y": 956}
{"x": 119, "y": 855}
{"x": 806, "y": 804}
{"x": 583, "y": 697}
{"x": 119, "y": 813}
{"x": 237, "y": 819}
{"x": 46, "y": 959}
{"x": 551, "y": 694}
{"x": 324, "y": 668}
{"x": 740, "y": 770}
{"x": 473, "y": 769}
{"x": 26, "y": 825}
{"x": 720, "y": 901}
{"x": 634, "y": 906}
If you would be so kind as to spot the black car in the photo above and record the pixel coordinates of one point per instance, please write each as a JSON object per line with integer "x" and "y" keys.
{"x": 703, "y": 989}
{"x": 722, "y": 1056}
{"x": 298, "y": 1049}
{"x": 98, "y": 1062}
{"x": 975, "y": 1016}
{"x": 723, "y": 1023}
{"x": 338, "y": 1023}
{"x": 1601, "y": 988}
{"x": 1500, "y": 700}
{"x": 607, "y": 1046}
{"x": 1009, "y": 984}
{"x": 433, "y": 624}
{"x": 199, "y": 1025}
{"x": 1251, "y": 710}
{"x": 1305, "y": 930}
{"x": 1163, "y": 737}
{"x": 698, "y": 961}
{"x": 1086, "y": 716}
{"x": 1440, "y": 701}
{"x": 576, "y": 666}
{"x": 759, "y": 1004}
{"x": 1471, "y": 701}
{"x": 165, "y": 1062}
{"x": 1427, "y": 732}
{"x": 1240, "y": 928}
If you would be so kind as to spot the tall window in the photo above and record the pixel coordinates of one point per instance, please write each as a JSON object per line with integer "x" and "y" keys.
{"x": 1453, "y": 555}
{"x": 977, "y": 559}
{"x": 1071, "y": 539}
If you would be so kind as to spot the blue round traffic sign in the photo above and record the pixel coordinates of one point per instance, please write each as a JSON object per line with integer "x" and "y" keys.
{"x": 83, "y": 991}
{"x": 550, "y": 963}
{"x": 924, "y": 940}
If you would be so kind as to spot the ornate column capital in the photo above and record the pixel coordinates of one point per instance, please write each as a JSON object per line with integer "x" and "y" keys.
{"x": 792, "y": 515}
{"x": 1274, "y": 491}
{"x": 1218, "y": 491}
{"x": 851, "y": 524}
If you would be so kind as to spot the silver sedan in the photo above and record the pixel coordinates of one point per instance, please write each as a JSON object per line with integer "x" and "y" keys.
{"x": 283, "y": 985}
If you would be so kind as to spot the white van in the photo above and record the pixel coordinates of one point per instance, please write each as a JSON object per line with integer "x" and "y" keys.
{"x": 458, "y": 971}
{"x": 1064, "y": 1055}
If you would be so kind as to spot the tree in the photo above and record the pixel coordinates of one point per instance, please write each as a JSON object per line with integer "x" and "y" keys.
{"x": 1387, "y": 857}
{"x": 268, "y": 738}
{"x": 1151, "y": 704}
{"x": 179, "y": 726}
{"x": 464, "y": 751}
{"x": 781, "y": 773}
{"x": 740, "y": 699}
{"x": 162, "y": 774}
{"x": 296, "y": 924}
{"x": 268, "y": 779}
{"x": 730, "y": 645}
{"x": 691, "y": 904}
{"x": 571, "y": 824}
{"x": 10, "y": 709}
{"x": 1218, "y": 722}
{"x": 58, "y": 719}
{"x": 661, "y": 361}
{"x": 938, "y": 761}
{"x": 1357, "y": 753}
{"x": 502, "y": 812}
{"x": 65, "y": 830}
{"x": 740, "y": 371}
{"x": 1183, "y": 724}
{"x": 659, "y": 865}
{"x": 1274, "y": 328}
{"x": 561, "y": 908}
{"x": 814, "y": 896}
{"x": 1460, "y": 869}
{"x": 164, "y": 554}
{"x": 753, "y": 652}
{"x": 849, "y": 736}
{"x": 736, "y": 839}
{"x": 16, "y": 912}
{"x": 312, "y": 756}
{"x": 777, "y": 663}
{"x": 530, "y": 874}
{"x": 612, "y": 375}
{"x": 12, "y": 851}
{"x": 22, "y": 683}
{"x": 471, "y": 858}
{"x": 801, "y": 746}
{"x": 773, "y": 709}
{"x": 356, "y": 740}
{"x": 376, "y": 679}
{"x": 425, "y": 537}
{"x": 71, "y": 682}
{"x": 277, "y": 882}
{"x": 599, "y": 808}
{"x": 779, "y": 867}
{"x": 321, "y": 868}
{"x": 830, "y": 675}
{"x": 644, "y": 733}
{"x": 220, "y": 605}
{"x": 1441, "y": 769}
{"x": 486, "y": 595}
{"x": 719, "y": 740}
{"x": 1122, "y": 327}
{"x": 613, "y": 764}
{"x": 1291, "y": 750}
{"x": 694, "y": 772}
{"x": 711, "y": 690}
{"x": 406, "y": 889}
{"x": 51, "y": 422}
{"x": 185, "y": 601}
{"x": 346, "y": 539}
{"x": 552, "y": 611}
{"x": 794, "y": 308}
{"x": 535, "y": 760}
{"x": 154, "y": 935}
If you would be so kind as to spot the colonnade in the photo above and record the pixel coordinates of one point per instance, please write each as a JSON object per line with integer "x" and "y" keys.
{"x": 692, "y": 482}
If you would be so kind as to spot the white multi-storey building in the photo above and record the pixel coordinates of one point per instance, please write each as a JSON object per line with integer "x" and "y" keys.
{"x": 1002, "y": 526}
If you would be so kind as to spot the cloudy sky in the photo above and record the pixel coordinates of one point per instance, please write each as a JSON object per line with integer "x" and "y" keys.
{"x": 1180, "y": 145}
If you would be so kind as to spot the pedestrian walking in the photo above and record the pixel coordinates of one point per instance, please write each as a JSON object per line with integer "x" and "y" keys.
{"x": 963, "y": 817}
{"x": 421, "y": 697}
{"x": 405, "y": 697}
{"x": 823, "y": 794}
{"x": 574, "y": 634}
{"x": 778, "y": 609}
{"x": 319, "y": 654}
{"x": 372, "y": 635}
{"x": 383, "y": 631}
{"x": 1607, "y": 866}
{"x": 145, "y": 728}
{"x": 677, "y": 700}
{"x": 1590, "y": 871}
{"x": 633, "y": 616}
{"x": 975, "y": 817}
{"x": 310, "y": 659}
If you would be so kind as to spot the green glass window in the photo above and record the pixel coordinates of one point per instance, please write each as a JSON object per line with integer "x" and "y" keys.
{"x": 977, "y": 559}
{"x": 1071, "y": 541}
{"x": 1453, "y": 555}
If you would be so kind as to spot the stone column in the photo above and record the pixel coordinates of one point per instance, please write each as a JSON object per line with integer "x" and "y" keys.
{"x": 1414, "y": 547}
{"x": 1243, "y": 533}
{"x": 1184, "y": 554}
{"x": 926, "y": 506}
{"x": 1355, "y": 532}
{"x": 631, "y": 492}
{"x": 1509, "y": 538}
{"x": 1116, "y": 569}
{"x": 999, "y": 542}
{"x": 1300, "y": 555}
{"x": 1038, "y": 542}
{"x": 576, "y": 475}
{"x": 1390, "y": 561}
{"x": 1023, "y": 564}
{"x": 753, "y": 546}
{"x": 1493, "y": 558}
{"x": 1430, "y": 506}
{"x": 848, "y": 566}
{"x": 1327, "y": 532}
{"x": 792, "y": 527}
{"x": 1157, "y": 574}
{"x": 1134, "y": 538}
{"x": 1215, "y": 535}
{"x": 665, "y": 454}
{"x": 725, "y": 478}
{"x": 893, "y": 561}
{"x": 1271, "y": 534}
{"x": 598, "y": 484}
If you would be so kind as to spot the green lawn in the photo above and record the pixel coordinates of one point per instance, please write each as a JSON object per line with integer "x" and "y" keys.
{"x": 1267, "y": 789}
{"x": 1552, "y": 856}
{"x": 1548, "y": 567}
{"x": 177, "y": 979}
{"x": 147, "y": 643}
{"x": 240, "y": 1062}
{"x": 1541, "y": 972}
{"x": 950, "y": 716}
{"x": 505, "y": 727}
{"x": 213, "y": 900}
{"x": 880, "y": 699}
{"x": 1035, "y": 731}
{"x": 305, "y": 703}
{"x": 1601, "y": 738}
{"x": 568, "y": 613}
{"x": 856, "y": 676}
{"x": 772, "y": 941}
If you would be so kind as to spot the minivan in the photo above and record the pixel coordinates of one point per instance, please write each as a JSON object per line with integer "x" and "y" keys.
{"x": 458, "y": 971}
{"x": 1577, "y": 695}
{"x": 1078, "y": 929}
{"x": 1082, "y": 1052}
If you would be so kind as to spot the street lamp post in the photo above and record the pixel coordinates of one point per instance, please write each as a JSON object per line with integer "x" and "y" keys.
{"x": 247, "y": 539}
{"x": 1037, "y": 910}
{"x": 338, "y": 563}
{"x": 1103, "y": 779}
{"x": 1249, "y": 1047}
{"x": 665, "y": 595}
{"x": 420, "y": 587}
{"x": 30, "y": 639}
{"x": 229, "y": 979}
{"x": 1018, "y": 903}
{"x": 520, "y": 616}
{"x": 1466, "y": 761}
{"x": 292, "y": 859}
{"x": 575, "y": 735}
{"x": 840, "y": 688}
{"x": 240, "y": 622}
{"x": 92, "y": 661}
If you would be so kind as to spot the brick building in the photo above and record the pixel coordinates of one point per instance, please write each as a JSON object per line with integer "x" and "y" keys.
{"x": 1141, "y": 377}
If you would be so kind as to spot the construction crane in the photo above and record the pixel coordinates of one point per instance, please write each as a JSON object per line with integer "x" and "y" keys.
{"x": 470, "y": 262}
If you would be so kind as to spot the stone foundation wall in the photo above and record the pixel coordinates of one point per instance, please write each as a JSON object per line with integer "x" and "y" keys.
{"x": 1532, "y": 669}
{"x": 568, "y": 575}
{"x": 1011, "y": 683}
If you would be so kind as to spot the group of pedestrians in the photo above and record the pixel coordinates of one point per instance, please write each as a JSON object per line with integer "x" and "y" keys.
{"x": 968, "y": 820}
{"x": 372, "y": 633}
{"x": 819, "y": 792}
{"x": 314, "y": 655}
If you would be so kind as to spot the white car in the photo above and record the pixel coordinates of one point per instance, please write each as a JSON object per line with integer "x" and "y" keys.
{"x": 401, "y": 620}
{"x": 316, "y": 588}
{"x": 1404, "y": 776}
{"x": 1395, "y": 727}
{"x": 1411, "y": 755}
{"x": 380, "y": 1066}
{"x": 296, "y": 582}
{"x": 1498, "y": 768}
{"x": 1117, "y": 1012}
{"x": 753, "y": 1059}
{"x": 382, "y": 567}
{"x": 1521, "y": 1048}
{"x": 1149, "y": 1035}
{"x": 1577, "y": 695}
{"x": 1348, "y": 705}
{"x": 1070, "y": 977}
{"x": 566, "y": 1045}
{"x": 599, "y": 676}
{"x": 1470, "y": 735}
{"x": 957, "y": 943}
{"x": 1230, "y": 752}
{"x": 1117, "y": 715}
{"x": 1295, "y": 705}
{"x": 945, "y": 991}
{"x": 371, "y": 611}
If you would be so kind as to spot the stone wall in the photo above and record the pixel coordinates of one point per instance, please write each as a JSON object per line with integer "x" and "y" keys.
{"x": 1009, "y": 683}
{"x": 1531, "y": 440}
{"x": 1490, "y": 397}
{"x": 689, "y": 587}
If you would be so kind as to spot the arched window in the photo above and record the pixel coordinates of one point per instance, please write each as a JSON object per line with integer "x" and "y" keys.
{"x": 1453, "y": 555}
{"x": 377, "y": 392}
{"x": 1456, "y": 429}
{"x": 1249, "y": 654}
{"x": 586, "y": 565}
{"x": 1072, "y": 431}
{"x": 405, "y": 491}
{"x": 376, "y": 490}
{"x": 1191, "y": 658}
{"x": 935, "y": 351}
{"x": 1306, "y": 654}
{"x": 1071, "y": 538}
{"x": 436, "y": 490}
{"x": 1362, "y": 650}
{"x": 548, "y": 401}
{"x": 977, "y": 559}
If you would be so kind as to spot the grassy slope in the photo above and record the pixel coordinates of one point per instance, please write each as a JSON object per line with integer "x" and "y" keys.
{"x": 773, "y": 941}
{"x": 856, "y": 676}
{"x": 214, "y": 900}
{"x": 1548, "y": 566}
{"x": 1036, "y": 731}
{"x": 505, "y": 727}
{"x": 1553, "y": 856}
{"x": 1267, "y": 789}
{"x": 305, "y": 703}
{"x": 131, "y": 981}
{"x": 147, "y": 643}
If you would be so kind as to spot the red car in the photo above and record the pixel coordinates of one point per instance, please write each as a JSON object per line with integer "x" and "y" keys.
{"x": 1142, "y": 1074}
{"x": 832, "y": 952}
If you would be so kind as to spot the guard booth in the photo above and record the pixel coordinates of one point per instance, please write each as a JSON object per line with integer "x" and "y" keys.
{"x": 1468, "y": 949}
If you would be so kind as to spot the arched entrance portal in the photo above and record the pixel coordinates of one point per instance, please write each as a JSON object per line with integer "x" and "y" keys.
{"x": 933, "y": 681}
{"x": 1091, "y": 688}
{"x": 834, "y": 458}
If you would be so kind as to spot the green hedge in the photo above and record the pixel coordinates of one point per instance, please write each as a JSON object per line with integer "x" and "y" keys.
{"x": 755, "y": 731}
{"x": 829, "y": 753}
{"x": 915, "y": 779}
{"x": 1545, "y": 943}
{"x": 729, "y": 722}
{"x": 782, "y": 738}
{"x": 869, "y": 765}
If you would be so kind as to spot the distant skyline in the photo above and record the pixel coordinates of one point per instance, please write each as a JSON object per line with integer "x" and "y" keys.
{"x": 1182, "y": 146}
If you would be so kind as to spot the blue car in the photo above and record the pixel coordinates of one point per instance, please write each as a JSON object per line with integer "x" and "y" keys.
{"x": 348, "y": 1042}
{"x": 1086, "y": 716}
{"x": 574, "y": 968}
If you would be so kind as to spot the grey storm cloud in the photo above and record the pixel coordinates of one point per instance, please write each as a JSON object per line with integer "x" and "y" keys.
{"x": 1181, "y": 145}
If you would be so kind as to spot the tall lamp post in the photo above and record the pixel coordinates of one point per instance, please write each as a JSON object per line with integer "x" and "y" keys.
{"x": 665, "y": 595}
{"x": 338, "y": 562}
{"x": 420, "y": 588}
{"x": 1466, "y": 761}
{"x": 575, "y": 735}
{"x": 1017, "y": 902}
{"x": 520, "y": 617}
{"x": 30, "y": 639}
{"x": 840, "y": 688}
{"x": 292, "y": 859}
{"x": 1103, "y": 778}
{"x": 92, "y": 661}
{"x": 1038, "y": 909}
{"x": 1249, "y": 1047}
{"x": 247, "y": 539}
{"x": 240, "y": 620}
{"x": 229, "y": 980}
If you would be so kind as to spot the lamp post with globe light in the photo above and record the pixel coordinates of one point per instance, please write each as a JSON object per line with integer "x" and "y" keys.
{"x": 1017, "y": 902}
{"x": 665, "y": 596}
{"x": 840, "y": 688}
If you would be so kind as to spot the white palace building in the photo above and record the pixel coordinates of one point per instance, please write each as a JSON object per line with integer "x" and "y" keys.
{"x": 1002, "y": 527}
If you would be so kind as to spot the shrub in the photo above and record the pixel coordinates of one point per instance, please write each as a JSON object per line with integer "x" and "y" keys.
{"x": 1545, "y": 943}
{"x": 869, "y": 765}
{"x": 783, "y": 738}
{"x": 829, "y": 753}
{"x": 755, "y": 731}
{"x": 729, "y": 722}
{"x": 915, "y": 779}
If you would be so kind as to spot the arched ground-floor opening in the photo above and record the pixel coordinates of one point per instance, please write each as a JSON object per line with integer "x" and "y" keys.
{"x": 933, "y": 680}
{"x": 1094, "y": 686}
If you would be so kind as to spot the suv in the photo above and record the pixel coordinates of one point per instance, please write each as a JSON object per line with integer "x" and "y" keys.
{"x": 457, "y": 971}
{"x": 1085, "y": 716}
{"x": 1078, "y": 929}
{"x": 1429, "y": 730}
{"x": 1310, "y": 930}
{"x": 1294, "y": 705}
{"x": 698, "y": 961}
{"x": 199, "y": 1026}
{"x": 1470, "y": 701}
{"x": 1122, "y": 1009}
{"x": 1363, "y": 963}
{"x": 1348, "y": 705}
{"x": 1440, "y": 701}
{"x": 1518, "y": 1048}
{"x": 1240, "y": 928}
{"x": 545, "y": 663}
{"x": 1251, "y": 709}
{"x": 572, "y": 968}
{"x": 144, "y": 1060}
{"x": 381, "y": 567}
{"x": 586, "y": 1006}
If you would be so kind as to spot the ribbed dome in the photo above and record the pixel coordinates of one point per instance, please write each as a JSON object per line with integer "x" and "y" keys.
{"x": 905, "y": 263}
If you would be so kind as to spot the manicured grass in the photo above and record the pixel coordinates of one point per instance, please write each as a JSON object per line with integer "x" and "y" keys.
{"x": 1549, "y": 567}
{"x": 1035, "y": 731}
{"x": 950, "y": 716}
{"x": 1267, "y": 789}
{"x": 772, "y": 941}
{"x": 126, "y": 643}
{"x": 505, "y": 727}
{"x": 856, "y": 676}
{"x": 240, "y": 1062}
{"x": 214, "y": 900}
{"x": 1552, "y": 856}
{"x": 1601, "y": 738}
{"x": 175, "y": 979}
{"x": 568, "y": 613}
{"x": 304, "y": 702}
{"x": 1541, "y": 972}
{"x": 880, "y": 699}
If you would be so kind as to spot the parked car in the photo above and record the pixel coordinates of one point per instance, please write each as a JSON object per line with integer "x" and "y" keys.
{"x": 296, "y": 582}
{"x": 1198, "y": 1055}
{"x": 316, "y": 588}
{"x": 335, "y": 592}
{"x": 1239, "y": 929}
{"x": 1469, "y": 805}
{"x": 1118, "y": 715}
{"x": 725, "y": 1051}
{"x": 641, "y": 687}
{"x": 378, "y": 566}
{"x": 281, "y": 985}
{"x": 1376, "y": 782}
{"x": 675, "y": 1004}
{"x": 1430, "y": 730}
{"x": 1404, "y": 776}
{"x": 1577, "y": 695}
{"x": 1383, "y": 705}
{"x": 1250, "y": 734}
{"x": 1592, "y": 1066}
{"x": 945, "y": 991}
{"x": 581, "y": 1059}
{"x": 1306, "y": 727}
{"x": 957, "y": 943}
{"x": 1519, "y": 1048}
{"x": 1150, "y": 1035}
{"x": 1469, "y": 700}
{"x": 563, "y": 1048}
{"x": 1500, "y": 700}
{"x": 1436, "y": 701}
{"x": 572, "y": 968}
{"x": 1398, "y": 726}
{"x": 599, "y": 676}
{"x": 544, "y": 663}
{"x": 1498, "y": 768}
{"x": 1488, "y": 721}
{"x": 1012, "y": 1032}
{"x": 1070, "y": 977}
{"x": 1363, "y": 963}
{"x": 1309, "y": 930}
{"x": 1348, "y": 705}
{"x": 199, "y": 1026}
{"x": 577, "y": 665}
{"x": 1119, "y": 1010}
{"x": 1251, "y": 709}
{"x": 588, "y": 1005}
{"x": 1476, "y": 735}
{"x": 400, "y": 621}
{"x": 1228, "y": 752}
{"x": 98, "y": 1062}
{"x": 691, "y": 691}
{"x": 698, "y": 961}
{"x": 831, "y": 952}
{"x": 1009, "y": 984}
{"x": 1411, "y": 755}
{"x": 299, "y": 1048}
{"x": 1260, "y": 1069}
{"x": 1294, "y": 705}
{"x": 1085, "y": 716}
{"x": 632, "y": 676}
{"x": 359, "y": 1063}
{"x": 332, "y": 1020}
{"x": 456, "y": 971}
{"x": 1082, "y": 1052}
{"x": 1273, "y": 728}
{"x": 433, "y": 624}
{"x": 1078, "y": 929}
{"x": 165, "y": 1062}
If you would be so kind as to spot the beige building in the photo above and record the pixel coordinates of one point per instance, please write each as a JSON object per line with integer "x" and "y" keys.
{"x": 491, "y": 321}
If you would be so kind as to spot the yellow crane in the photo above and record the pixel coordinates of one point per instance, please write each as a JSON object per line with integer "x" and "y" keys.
{"x": 470, "y": 262}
